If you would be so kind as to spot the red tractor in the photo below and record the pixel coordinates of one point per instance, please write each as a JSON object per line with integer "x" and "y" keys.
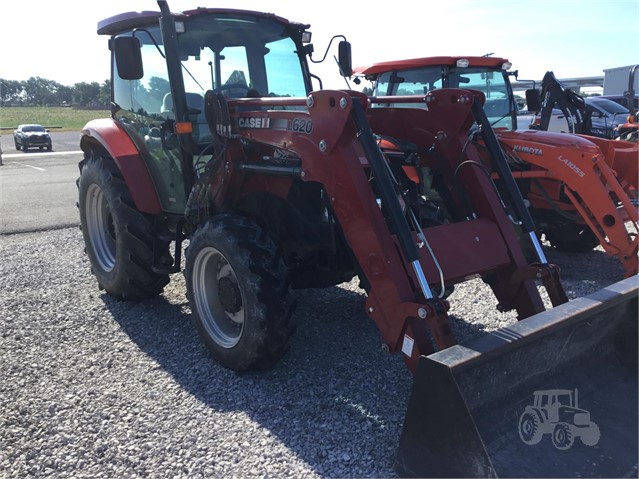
{"x": 218, "y": 142}
{"x": 581, "y": 190}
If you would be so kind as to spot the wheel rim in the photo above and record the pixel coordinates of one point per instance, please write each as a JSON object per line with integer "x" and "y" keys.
{"x": 561, "y": 437}
{"x": 100, "y": 227}
{"x": 218, "y": 297}
{"x": 527, "y": 428}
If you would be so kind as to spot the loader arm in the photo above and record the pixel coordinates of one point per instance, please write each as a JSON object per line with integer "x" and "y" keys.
{"x": 579, "y": 168}
{"x": 334, "y": 141}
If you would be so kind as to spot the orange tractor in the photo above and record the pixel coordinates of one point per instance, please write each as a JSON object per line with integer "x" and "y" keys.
{"x": 581, "y": 190}
{"x": 218, "y": 142}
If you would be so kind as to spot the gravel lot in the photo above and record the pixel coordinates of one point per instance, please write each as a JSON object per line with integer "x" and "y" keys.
{"x": 93, "y": 387}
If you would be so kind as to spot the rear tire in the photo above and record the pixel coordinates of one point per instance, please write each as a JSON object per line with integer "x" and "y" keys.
{"x": 572, "y": 238}
{"x": 118, "y": 238}
{"x": 237, "y": 286}
{"x": 529, "y": 428}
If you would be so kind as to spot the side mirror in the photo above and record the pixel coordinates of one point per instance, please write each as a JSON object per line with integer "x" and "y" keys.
{"x": 533, "y": 100}
{"x": 128, "y": 58}
{"x": 345, "y": 59}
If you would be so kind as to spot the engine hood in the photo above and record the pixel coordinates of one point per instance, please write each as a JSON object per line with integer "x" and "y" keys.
{"x": 550, "y": 139}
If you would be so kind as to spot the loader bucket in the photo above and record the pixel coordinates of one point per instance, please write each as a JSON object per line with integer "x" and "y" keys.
{"x": 463, "y": 417}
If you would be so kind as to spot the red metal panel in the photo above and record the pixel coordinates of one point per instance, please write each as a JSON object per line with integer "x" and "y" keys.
{"x": 463, "y": 249}
{"x": 126, "y": 155}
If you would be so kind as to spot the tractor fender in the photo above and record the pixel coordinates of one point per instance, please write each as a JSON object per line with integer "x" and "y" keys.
{"x": 541, "y": 414}
{"x": 107, "y": 134}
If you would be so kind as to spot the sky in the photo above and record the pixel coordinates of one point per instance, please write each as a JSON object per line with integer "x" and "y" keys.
{"x": 57, "y": 39}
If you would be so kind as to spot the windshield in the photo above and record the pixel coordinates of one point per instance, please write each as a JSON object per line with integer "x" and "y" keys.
{"x": 236, "y": 54}
{"x": 33, "y": 128}
{"x": 610, "y": 107}
{"x": 230, "y": 55}
{"x": 233, "y": 54}
{"x": 419, "y": 81}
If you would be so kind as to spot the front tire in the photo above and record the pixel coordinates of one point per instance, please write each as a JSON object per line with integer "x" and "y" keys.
{"x": 571, "y": 238}
{"x": 118, "y": 238}
{"x": 591, "y": 436}
{"x": 237, "y": 287}
{"x": 562, "y": 436}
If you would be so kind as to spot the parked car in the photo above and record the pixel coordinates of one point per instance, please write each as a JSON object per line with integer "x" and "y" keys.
{"x": 605, "y": 116}
{"x": 31, "y": 136}
{"x": 622, "y": 100}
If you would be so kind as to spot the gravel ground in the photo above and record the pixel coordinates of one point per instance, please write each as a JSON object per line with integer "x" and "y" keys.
{"x": 93, "y": 387}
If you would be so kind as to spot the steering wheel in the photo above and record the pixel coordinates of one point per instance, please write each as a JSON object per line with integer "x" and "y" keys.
{"x": 229, "y": 87}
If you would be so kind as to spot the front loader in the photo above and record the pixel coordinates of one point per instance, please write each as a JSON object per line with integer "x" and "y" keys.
{"x": 219, "y": 142}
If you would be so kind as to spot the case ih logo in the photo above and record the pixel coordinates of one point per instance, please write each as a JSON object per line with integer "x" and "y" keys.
{"x": 529, "y": 150}
{"x": 253, "y": 122}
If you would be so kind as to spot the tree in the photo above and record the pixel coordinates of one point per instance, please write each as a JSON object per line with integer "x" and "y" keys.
{"x": 41, "y": 92}
{"x": 9, "y": 91}
{"x": 86, "y": 94}
{"x": 37, "y": 91}
{"x": 65, "y": 95}
{"x": 158, "y": 87}
{"x": 104, "y": 97}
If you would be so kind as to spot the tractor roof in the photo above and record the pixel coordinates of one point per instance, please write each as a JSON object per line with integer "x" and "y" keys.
{"x": 128, "y": 20}
{"x": 381, "y": 67}
{"x": 554, "y": 391}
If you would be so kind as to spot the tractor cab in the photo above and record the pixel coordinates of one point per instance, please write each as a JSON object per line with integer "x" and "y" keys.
{"x": 159, "y": 85}
{"x": 163, "y": 65}
{"x": 488, "y": 75}
{"x": 555, "y": 398}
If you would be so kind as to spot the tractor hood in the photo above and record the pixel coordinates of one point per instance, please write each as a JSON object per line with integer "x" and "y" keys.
{"x": 547, "y": 138}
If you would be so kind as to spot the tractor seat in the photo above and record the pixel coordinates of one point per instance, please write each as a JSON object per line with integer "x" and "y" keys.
{"x": 193, "y": 101}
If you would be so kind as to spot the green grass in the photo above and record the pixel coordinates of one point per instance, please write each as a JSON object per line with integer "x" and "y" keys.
{"x": 67, "y": 119}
